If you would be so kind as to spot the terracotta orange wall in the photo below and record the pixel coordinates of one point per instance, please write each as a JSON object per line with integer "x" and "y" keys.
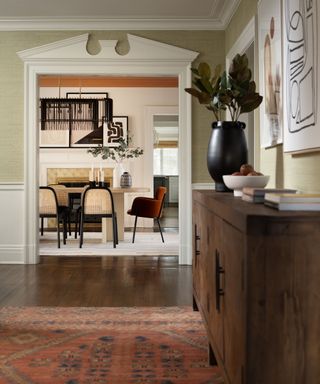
{"x": 101, "y": 81}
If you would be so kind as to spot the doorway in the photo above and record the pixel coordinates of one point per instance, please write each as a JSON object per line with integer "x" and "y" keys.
{"x": 166, "y": 166}
{"x": 70, "y": 56}
{"x": 71, "y": 165}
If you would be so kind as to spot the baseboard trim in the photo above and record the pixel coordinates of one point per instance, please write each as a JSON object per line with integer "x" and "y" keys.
{"x": 13, "y": 186}
{"x": 11, "y": 254}
{"x": 203, "y": 186}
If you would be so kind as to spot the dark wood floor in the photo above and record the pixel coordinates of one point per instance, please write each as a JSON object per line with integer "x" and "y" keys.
{"x": 97, "y": 281}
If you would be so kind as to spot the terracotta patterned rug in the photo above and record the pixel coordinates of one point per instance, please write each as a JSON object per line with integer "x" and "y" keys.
{"x": 76, "y": 345}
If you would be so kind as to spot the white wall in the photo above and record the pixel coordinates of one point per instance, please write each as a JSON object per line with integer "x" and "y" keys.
{"x": 11, "y": 228}
{"x": 129, "y": 102}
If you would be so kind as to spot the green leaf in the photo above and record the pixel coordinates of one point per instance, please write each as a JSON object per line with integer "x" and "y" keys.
{"x": 204, "y": 70}
{"x": 233, "y": 90}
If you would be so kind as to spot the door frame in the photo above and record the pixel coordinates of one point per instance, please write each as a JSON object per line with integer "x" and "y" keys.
{"x": 70, "y": 57}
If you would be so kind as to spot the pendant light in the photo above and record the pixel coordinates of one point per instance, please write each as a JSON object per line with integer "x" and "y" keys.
{"x": 108, "y": 109}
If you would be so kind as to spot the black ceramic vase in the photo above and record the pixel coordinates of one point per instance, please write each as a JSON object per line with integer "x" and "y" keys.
{"x": 227, "y": 151}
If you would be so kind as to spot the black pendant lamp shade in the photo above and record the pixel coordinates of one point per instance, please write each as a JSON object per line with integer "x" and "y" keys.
{"x": 109, "y": 109}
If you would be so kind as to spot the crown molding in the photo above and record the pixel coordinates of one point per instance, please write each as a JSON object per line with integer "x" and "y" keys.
{"x": 36, "y": 24}
{"x": 228, "y": 11}
{"x": 218, "y": 19}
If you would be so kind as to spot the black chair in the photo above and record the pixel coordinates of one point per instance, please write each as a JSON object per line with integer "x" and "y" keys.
{"x": 48, "y": 207}
{"x": 63, "y": 201}
{"x": 98, "y": 202}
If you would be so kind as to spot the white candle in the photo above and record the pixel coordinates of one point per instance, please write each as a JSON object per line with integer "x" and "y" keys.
{"x": 102, "y": 175}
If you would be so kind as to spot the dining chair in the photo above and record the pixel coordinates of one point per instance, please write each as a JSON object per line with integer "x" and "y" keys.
{"x": 63, "y": 201}
{"x": 98, "y": 202}
{"x": 148, "y": 207}
{"x": 48, "y": 207}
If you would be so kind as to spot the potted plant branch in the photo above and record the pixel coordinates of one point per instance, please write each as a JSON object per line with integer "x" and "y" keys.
{"x": 233, "y": 91}
{"x": 118, "y": 154}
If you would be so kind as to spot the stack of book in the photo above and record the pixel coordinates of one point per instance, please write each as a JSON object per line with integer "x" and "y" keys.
{"x": 256, "y": 195}
{"x": 293, "y": 202}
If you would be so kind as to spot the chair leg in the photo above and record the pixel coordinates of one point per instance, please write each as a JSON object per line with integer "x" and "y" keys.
{"x": 65, "y": 229}
{"x": 77, "y": 221}
{"x": 76, "y": 225}
{"x": 160, "y": 229}
{"x": 114, "y": 230}
{"x": 117, "y": 235}
{"x": 69, "y": 220}
{"x": 134, "y": 229}
{"x": 58, "y": 231}
{"x": 41, "y": 226}
{"x": 81, "y": 230}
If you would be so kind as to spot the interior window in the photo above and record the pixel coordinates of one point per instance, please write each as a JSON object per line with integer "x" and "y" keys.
{"x": 165, "y": 161}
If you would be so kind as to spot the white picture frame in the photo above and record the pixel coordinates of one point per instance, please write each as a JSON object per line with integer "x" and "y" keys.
{"x": 301, "y": 55}
{"x": 270, "y": 72}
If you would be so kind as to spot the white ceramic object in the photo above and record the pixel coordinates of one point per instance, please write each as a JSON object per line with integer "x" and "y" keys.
{"x": 238, "y": 182}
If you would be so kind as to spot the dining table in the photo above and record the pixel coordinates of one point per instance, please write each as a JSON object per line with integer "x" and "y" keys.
{"x": 118, "y": 200}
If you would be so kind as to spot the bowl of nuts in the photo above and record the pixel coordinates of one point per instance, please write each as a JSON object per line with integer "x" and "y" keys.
{"x": 245, "y": 177}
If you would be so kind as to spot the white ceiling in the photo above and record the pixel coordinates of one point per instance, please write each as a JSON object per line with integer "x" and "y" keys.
{"x": 116, "y": 14}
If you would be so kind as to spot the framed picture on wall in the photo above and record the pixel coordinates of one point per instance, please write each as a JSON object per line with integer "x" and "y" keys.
{"x": 54, "y": 124}
{"x": 52, "y": 138}
{"x": 87, "y": 129}
{"x": 115, "y": 130}
{"x": 270, "y": 72}
{"x": 301, "y": 79}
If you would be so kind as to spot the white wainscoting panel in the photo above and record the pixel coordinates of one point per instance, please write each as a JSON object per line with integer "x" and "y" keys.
{"x": 12, "y": 220}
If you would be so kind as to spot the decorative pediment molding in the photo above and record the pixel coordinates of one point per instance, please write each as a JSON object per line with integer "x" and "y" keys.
{"x": 140, "y": 49}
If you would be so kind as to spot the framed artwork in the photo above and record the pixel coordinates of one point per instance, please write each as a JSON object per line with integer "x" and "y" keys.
{"x": 53, "y": 133}
{"x": 87, "y": 95}
{"x": 55, "y": 138}
{"x": 84, "y": 133}
{"x": 270, "y": 72}
{"x": 113, "y": 131}
{"x": 301, "y": 78}
{"x": 74, "y": 121}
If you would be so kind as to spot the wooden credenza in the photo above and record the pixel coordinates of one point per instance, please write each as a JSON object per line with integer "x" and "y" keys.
{"x": 256, "y": 282}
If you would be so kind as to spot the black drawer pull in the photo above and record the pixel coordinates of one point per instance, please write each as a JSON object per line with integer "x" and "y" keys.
{"x": 219, "y": 290}
{"x": 196, "y": 239}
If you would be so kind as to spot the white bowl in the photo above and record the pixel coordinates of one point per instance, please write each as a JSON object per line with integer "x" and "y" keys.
{"x": 238, "y": 182}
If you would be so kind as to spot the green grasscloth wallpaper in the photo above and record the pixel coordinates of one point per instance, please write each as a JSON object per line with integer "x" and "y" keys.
{"x": 300, "y": 171}
{"x": 210, "y": 45}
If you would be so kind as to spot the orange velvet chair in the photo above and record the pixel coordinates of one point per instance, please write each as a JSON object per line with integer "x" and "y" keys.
{"x": 148, "y": 207}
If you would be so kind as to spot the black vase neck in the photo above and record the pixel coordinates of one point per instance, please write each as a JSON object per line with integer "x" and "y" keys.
{"x": 228, "y": 124}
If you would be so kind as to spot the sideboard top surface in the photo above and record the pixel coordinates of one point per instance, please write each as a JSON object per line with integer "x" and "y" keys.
{"x": 248, "y": 217}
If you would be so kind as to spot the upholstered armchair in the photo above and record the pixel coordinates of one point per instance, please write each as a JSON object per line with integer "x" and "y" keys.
{"x": 148, "y": 207}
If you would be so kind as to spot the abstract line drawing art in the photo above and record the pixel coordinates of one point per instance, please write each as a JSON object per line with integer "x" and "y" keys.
{"x": 270, "y": 64}
{"x": 115, "y": 130}
{"x": 301, "y": 58}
